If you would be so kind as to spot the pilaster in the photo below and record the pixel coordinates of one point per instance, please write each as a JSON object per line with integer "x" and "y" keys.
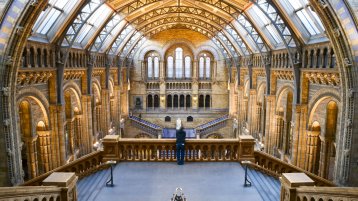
{"x": 87, "y": 128}
{"x": 252, "y": 117}
{"x": 299, "y": 135}
{"x": 270, "y": 123}
{"x": 105, "y": 107}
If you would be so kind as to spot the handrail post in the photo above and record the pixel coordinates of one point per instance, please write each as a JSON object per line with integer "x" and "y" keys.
{"x": 111, "y": 148}
{"x": 66, "y": 181}
{"x": 290, "y": 182}
{"x": 246, "y": 148}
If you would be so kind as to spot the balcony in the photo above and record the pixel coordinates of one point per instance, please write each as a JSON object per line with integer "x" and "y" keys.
{"x": 141, "y": 174}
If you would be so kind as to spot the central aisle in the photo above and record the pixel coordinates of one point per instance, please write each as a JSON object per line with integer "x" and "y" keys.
{"x": 156, "y": 181}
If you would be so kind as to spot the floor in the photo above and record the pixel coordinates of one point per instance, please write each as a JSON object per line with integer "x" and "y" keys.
{"x": 157, "y": 181}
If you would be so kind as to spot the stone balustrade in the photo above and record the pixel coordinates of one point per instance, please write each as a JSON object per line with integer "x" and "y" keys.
{"x": 276, "y": 167}
{"x": 300, "y": 187}
{"x": 200, "y": 150}
{"x": 81, "y": 167}
{"x": 57, "y": 186}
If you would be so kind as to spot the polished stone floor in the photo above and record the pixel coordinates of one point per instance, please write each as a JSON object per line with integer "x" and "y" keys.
{"x": 157, "y": 181}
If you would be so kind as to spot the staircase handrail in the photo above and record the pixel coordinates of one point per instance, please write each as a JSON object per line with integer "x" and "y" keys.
{"x": 212, "y": 122}
{"x": 144, "y": 122}
{"x": 73, "y": 166}
{"x": 287, "y": 168}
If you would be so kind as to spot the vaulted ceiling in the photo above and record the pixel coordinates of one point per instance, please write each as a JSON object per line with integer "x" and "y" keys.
{"x": 237, "y": 27}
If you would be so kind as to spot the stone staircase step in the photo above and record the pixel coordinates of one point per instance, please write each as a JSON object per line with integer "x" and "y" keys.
{"x": 267, "y": 190}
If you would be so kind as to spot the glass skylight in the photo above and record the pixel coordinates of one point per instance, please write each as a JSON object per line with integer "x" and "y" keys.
{"x": 48, "y": 17}
{"x": 307, "y": 16}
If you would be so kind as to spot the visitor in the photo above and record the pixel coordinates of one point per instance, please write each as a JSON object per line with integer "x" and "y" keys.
{"x": 180, "y": 144}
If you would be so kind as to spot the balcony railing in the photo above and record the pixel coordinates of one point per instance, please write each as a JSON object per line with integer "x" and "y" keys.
{"x": 276, "y": 167}
{"x": 83, "y": 166}
{"x": 201, "y": 150}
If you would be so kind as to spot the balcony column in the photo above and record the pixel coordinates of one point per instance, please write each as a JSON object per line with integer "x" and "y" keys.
{"x": 240, "y": 108}
{"x": 117, "y": 106}
{"x": 312, "y": 143}
{"x": 161, "y": 70}
{"x": 31, "y": 155}
{"x": 322, "y": 171}
{"x": 105, "y": 113}
{"x": 87, "y": 124}
{"x": 71, "y": 129}
{"x": 79, "y": 140}
{"x": 252, "y": 117}
{"x": 45, "y": 150}
{"x": 299, "y": 134}
{"x": 270, "y": 123}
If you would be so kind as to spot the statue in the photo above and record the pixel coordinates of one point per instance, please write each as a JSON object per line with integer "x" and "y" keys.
{"x": 178, "y": 124}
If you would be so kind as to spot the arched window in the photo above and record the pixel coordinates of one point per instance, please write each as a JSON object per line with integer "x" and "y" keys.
{"x": 170, "y": 67}
{"x": 150, "y": 101}
{"x": 179, "y": 62}
{"x": 181, "y": 101}
{"x": 169, "y": 101}
{"x": 201, "y": 67}
{"x": 201, "y": 101}
{"x": 207, "y": 101}
{"x": 188, "y": 101}
{"x": 150, "y": 67}
{"x": 187, "y": 67}
{"x": 156, "y": 67}
{"x": 207, "y": 68}
{"x": 176, "y": 101}
{"x": 156, "y": 101}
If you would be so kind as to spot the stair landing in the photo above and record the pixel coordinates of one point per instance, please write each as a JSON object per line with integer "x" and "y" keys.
{"x": 156, "y": 181}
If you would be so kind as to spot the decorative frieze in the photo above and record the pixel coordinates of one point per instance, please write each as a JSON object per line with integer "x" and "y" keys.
{"x": 324, "y": 78}
{"x": 284, "y": 74}
{"x": 33, "y": 77}
{"x": 73, "y": 74}
{"x": 98, "y": 72}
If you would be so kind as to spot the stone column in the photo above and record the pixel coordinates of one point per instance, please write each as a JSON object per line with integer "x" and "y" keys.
{"x": 322, "y": 171}
{"x": 71, "y": 135}
{"x": 31, "y": 156}
{"x": 270, "y": 123}
{"x": 55, "y": 145}
{"x": 67, "y": 181}
{"x": 240, "y": 109}
{"x": 289, "y": 183}
{"x": 195, "y": 69}
{"x": 124, "y": 100}
{"x": 233, "y": 100}
{"x": 105, "y": 113}
{"x": 312, "y": 143}
{"x": 117, "y": 106}
{"x": 45, "y": 150}
{"x": 60, "y": 113}
{"x": 161, "y": 70}
{"x": 299, "y": 135}
{"x": 252, "y": 118}
{"x": 87, "y": 124}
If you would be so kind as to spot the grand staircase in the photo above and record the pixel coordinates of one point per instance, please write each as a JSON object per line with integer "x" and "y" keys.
{"x": 212, "y": 126}
{"x": 145, "y": 126}
{"x": 267, "y": 186}
{"x": 89, "y": 187}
